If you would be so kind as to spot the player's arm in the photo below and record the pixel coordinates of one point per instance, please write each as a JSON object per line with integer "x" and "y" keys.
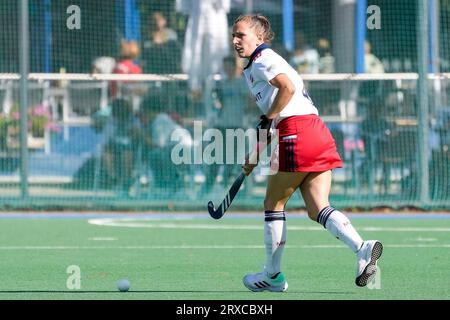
{"x": 286, "y": 90}
{"x": 252, "y": 159}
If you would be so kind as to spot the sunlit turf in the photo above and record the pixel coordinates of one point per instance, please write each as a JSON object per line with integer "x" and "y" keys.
{"x": 199, "y": 258}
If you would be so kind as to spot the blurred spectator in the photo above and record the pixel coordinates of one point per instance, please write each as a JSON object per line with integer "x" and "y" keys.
{"x": 104, "y": 65}
{"x": 118, "y": 152}
{"x": 440, "y": 132}
{"x": 440, "y": 153}
{"x": 159, "y": 32}
{"x": 326, "y": 60}
{"x": 126, "y": 64}
{"x": 161, "y": 51}
{"x": 233, "y": 105}
{"x": 375, "y": 130}
{"x": 233, "y": 96}
{"x": 371, "y": 63}
{"x": 206, "y": 40}
{"x": 154, "y": 138}
{"x": 305, "y": 58}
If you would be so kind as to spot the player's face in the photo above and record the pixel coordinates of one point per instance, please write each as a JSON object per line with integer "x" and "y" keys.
{"x": 245, "y": 39}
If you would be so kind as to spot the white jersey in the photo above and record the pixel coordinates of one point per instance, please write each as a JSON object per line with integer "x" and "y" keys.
{"x": 264, "y": 65}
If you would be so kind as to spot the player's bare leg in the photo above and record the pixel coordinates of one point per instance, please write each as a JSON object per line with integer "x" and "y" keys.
{"x": 279, "y": 189}
{"x": 315, "y": 190}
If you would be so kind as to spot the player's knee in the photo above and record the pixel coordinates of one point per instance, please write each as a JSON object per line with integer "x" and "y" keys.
{"x": 270, "y": 204}
{"x": 312, "y": 214}
{"x": 267, "y": 204}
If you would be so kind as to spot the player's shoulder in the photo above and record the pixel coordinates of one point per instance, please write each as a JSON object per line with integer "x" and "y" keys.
{"x": 266, "y": 57}
{"x": 267, "y": 54}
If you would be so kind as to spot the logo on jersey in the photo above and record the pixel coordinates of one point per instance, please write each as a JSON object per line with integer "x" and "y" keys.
{"x": 251, "y": 78}
{"x": 271, "y": 67}
{"x": 291, "y": 137}
{"x": 257, "y": 56}
{"x": 306, "y": 95}
{"x": 258, "y": 96}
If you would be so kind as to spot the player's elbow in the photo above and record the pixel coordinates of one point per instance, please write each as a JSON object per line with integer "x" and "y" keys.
{"x": 289, "y": 89}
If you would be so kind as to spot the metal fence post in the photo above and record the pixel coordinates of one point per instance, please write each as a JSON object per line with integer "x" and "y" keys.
{"x": 24, "y": 70}
{"x": 422, "y": 95}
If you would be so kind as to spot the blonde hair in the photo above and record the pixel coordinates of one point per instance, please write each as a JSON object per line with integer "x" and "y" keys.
{"x": 261, "y": 25}
{"x": 129, "y": 49}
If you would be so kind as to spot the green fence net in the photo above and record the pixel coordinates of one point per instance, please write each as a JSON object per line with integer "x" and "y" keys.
{"x": 122, "y": 97}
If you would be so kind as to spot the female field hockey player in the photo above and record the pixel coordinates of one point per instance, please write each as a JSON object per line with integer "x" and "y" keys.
{"x": 307, "y": 154}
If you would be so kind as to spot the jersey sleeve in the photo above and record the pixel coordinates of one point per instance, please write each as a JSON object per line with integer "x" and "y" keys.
{"x": 269, "y": 67}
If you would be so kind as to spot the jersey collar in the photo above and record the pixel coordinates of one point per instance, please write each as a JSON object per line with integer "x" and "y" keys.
{"x": 255, "y": 53}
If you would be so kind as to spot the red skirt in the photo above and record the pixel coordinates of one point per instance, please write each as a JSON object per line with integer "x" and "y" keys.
{"x": 306, "y": 145}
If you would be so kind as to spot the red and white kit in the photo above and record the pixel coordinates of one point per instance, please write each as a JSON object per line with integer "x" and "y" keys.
{"x": 305, "y": 143}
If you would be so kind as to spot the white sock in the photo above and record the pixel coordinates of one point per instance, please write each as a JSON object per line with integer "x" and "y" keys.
{"x": 340, "y": 227}
{"x": 274, "y": 239}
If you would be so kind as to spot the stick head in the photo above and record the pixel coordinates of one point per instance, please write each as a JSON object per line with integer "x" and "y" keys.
{"x": 212, "y": 212}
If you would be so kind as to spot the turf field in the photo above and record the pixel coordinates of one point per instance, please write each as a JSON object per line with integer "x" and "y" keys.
{"x": 186, "y": 257}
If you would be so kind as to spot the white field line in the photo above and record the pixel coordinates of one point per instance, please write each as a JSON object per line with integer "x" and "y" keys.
{"x": 204, "y": 247}
{"x": 135, "y": 223}
{"x": 420, "y": 239}
{"x": 102, "y": 239}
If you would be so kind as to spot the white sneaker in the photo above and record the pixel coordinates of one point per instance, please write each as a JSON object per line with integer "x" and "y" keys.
{"x": 261, "y": 281}
{"x": 367, "y": 256}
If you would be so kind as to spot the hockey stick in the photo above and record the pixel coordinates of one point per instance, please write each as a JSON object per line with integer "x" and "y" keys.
{"x": 220, "y": 211}
{"x": 252, "y": 158}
